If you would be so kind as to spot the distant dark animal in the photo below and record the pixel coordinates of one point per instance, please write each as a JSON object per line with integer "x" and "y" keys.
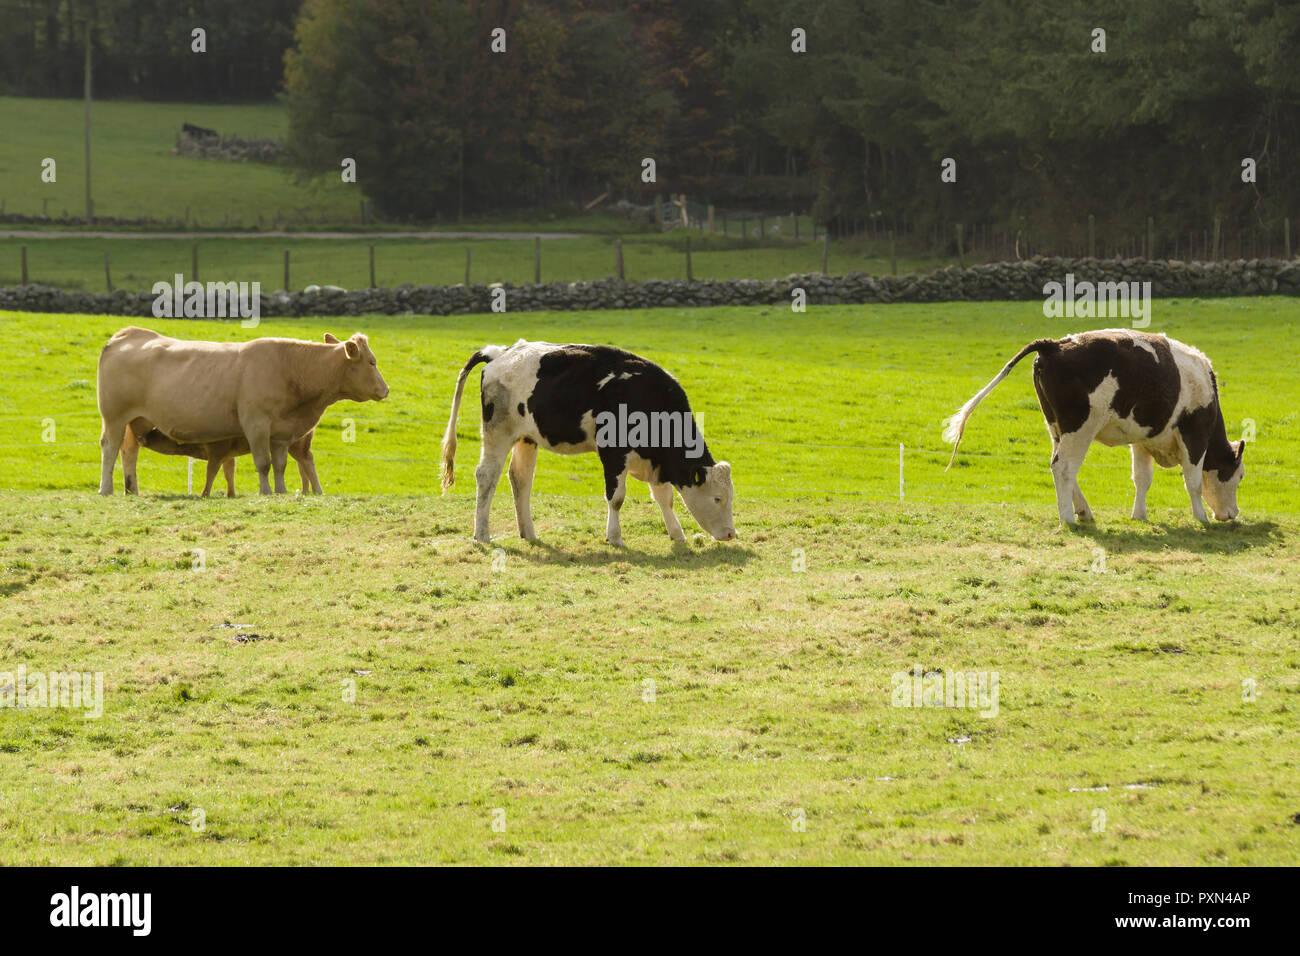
{"x": 199, "y": 132}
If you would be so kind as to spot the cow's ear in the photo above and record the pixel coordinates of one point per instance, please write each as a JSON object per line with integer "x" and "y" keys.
{"x": 698, "y": 477}
{"x": 352, "y": 350}
{"x": 330, "y": 340}
{"x": 1241, "y": 449}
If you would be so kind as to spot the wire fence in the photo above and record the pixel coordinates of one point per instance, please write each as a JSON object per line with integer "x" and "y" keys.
{"x": 904, "y": 490}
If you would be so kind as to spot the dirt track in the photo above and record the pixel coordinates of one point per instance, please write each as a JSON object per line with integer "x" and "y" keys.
{"x": 278, "y": 234}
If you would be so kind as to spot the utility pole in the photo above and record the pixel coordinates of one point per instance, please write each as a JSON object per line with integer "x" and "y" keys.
{"x": 90, "y": 203}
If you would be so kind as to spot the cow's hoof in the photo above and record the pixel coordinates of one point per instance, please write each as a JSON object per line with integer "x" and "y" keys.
{"x": 614, "y": 542}
{"x": 1086, "y": 516}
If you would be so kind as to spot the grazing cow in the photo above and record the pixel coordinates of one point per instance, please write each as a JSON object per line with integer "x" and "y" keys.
{"x": 1122, "y": 387}
{"x": 571, "y": 399}
{"x": 220, "y": 456}
{"x": 269, "y": 392}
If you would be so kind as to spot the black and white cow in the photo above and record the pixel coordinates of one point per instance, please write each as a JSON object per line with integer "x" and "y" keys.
{"x": 572, "y": 399}
{"x": 1122, "y": 387}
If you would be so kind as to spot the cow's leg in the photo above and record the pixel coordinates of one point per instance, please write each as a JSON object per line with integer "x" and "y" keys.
{"x": 1067, "y": 459}
{"x": 663, "y": 496}
{"x": 1081, "y": 509}
{"x": 615, "y": 463}
{"x": 1192, "y": 475}
{"x": 307, "y": 472}
{"x": 210, "y": 475}
{"x": 259, "y": 443}
{"x": 228, "y": 466}
{"x": 110, "y": 442}
{"x": 279, "y": 459}
{"x": 130, "y": 457}
{"x": 523, "y": 463}
{"x": 491, "y": 461}
{"x": 1144, "y": 467}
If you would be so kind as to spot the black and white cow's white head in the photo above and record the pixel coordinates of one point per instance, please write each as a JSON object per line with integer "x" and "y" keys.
{"x": 1220, "y": 484}
{"x": 709, "y": 502}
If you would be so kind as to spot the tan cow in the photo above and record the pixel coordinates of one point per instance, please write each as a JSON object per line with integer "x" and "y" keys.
{"x": 219, "y": 455}
{"x": 270, "y": 392}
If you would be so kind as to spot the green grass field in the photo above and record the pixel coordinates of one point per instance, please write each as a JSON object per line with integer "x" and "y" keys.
{"x": 659, "y": 704}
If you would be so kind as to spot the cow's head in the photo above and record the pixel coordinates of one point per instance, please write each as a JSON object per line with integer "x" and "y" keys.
{"x": 1221, "y": 495}
{"x": 361, "y": 379}
{"x": 709, "y": 500}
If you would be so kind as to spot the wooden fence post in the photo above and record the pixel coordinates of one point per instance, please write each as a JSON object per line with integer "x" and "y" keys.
{"x": 1286, "y": 231}
{"x": 893, "y": 258}
{"x": 24, "y": 256}
{"x": 961, "y": 254}
{"x": 286, "y": 271}
{"x": 1092, "y": 236}
{"x": 1215, "y": 249}
{"x": 467, "y": 266}
{"x": 1151, "y": 237}
{"x": 537, "y": 259}
{"x": 826, "y": 248}
{"x": 372, "y": 267}
{"x": 690, "y": 275}
{"x": 618, "y": 257}
{"x": 194, "y": 261}
{"x": 710, "y": 218}
{"x": 108, "y": 274}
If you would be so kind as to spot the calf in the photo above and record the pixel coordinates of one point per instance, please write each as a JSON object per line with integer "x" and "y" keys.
{"x": 572, "y": 399}
{"x": 269, "y": 392}
{"x": 1122, "y": 387}
{"x": 220, "y": 456}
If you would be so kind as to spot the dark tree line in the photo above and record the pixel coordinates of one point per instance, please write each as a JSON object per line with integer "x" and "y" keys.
{"x": 1044, "y": 128}
{"x": 142, "y": 48}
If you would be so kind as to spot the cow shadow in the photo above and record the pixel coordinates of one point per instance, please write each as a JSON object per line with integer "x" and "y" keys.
{"x": 1232, "y": 537}
{"x": 681, "y": 556}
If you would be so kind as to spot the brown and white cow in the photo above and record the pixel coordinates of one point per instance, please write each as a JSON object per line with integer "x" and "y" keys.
{"x": 220, "y": 456}
{"x": 269, "y": 392}
{"x": 571, "y": 399}
{"x": 1123, "y": 387}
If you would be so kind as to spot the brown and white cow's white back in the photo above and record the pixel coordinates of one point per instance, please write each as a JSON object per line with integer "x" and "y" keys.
{"x": 1125, "y": 387}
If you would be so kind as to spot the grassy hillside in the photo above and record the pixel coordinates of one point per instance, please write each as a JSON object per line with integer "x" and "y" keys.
{"x": 134, "y": 171}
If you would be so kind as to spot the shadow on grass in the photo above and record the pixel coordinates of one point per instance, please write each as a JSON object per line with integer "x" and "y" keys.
{"x": 1231, "y": 537}
{"x": 681, "y": 556}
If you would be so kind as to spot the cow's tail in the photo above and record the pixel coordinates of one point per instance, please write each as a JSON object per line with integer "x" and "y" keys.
{"x": 486, "y": 354}
{"x": 955, "y": 425}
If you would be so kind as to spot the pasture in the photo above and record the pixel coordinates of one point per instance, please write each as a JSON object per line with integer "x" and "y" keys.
{"x": 694, "y": 704}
